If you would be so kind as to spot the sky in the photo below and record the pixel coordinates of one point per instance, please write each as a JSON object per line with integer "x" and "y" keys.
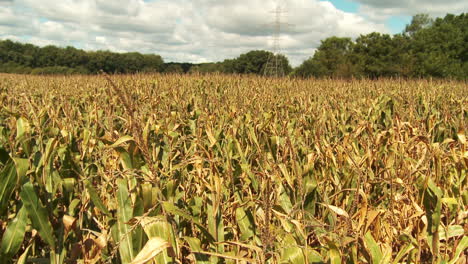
{"x": 206, "y": 30}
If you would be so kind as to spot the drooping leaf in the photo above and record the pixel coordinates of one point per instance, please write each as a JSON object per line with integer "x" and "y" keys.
{"x": 337, "y": 210}
{"x": 158, "y": 227}
{"x": 405, "y": 250}
{"x": 14, "y": 234}
{"x": 37, "y": 213}
{"x": 152, "y": 248}
{"x": 95, "y": 197}
{"x": 120, "y": 141}
{"x": 462, "y": 246}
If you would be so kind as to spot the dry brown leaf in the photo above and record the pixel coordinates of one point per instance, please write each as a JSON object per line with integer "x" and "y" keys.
{"x": 101, "y": 241}
{"x": 68, "y": 222}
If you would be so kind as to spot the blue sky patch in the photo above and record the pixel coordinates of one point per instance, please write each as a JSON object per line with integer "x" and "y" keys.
{"x": 346, "y": 5}
{"x": 397, "y": 24}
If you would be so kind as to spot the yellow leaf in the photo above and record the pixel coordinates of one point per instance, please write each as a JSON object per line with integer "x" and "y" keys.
{"x": 337, "y": 210}
{"x": 461, "y": 137}
{"x": 153, "y": 247}
{"x": 211, "y": 138}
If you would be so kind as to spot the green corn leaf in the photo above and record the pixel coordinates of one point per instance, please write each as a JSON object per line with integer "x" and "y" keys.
{"x": 433, "y": 206}
{"x": 95, "y": 197}
{"x": 451, "y": 231}
{"x": 313, "y": 256}
{"x": 121, "y": 231}
{"x": 120, "y": 141}
{"x": 334, "y": 253}
{"x": 211, "y": 221}
{"x": 291, "y": 252}
{"x": 138, "y": 233}
{"x": 159, "y": 227}
{"x": 22, "y": 127}
{"x": 22, "y": 166}
{"x": 373, "y": 248}
{"x": 195, "y": 246}
{"x": 405, "y": 250}
{"x": 147, "y": 196}
{"x": 171, "y": 208}
{"x": 8, "y": 179}
{"x": 38, "y": 214}
{"x": 125, "y": 158}
{"x": 153, "y": 248}
{"x": 462, "y": 246}
{"x": 14, "y": 234}
{"x": 245, "y": 224}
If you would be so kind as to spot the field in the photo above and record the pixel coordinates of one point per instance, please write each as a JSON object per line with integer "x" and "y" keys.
{"x": 229, "y": 169}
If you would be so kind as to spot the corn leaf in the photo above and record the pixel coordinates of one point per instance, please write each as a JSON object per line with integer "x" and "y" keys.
{"x": 38, "y": 214}
{"x": 14, "y": 234}
{"x": 152, "y": 248}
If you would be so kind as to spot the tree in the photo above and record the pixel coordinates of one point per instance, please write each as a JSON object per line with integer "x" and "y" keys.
{"x": 209, "y": 67}
{"x": 228, "y": 66}
{"x": 402, "y": 53}
{"x": 418, "y": 22}
{"x": 441, "y": 50}
{"x": 152, "y": 63}
{"x": 174, "y": 68}
{"x": 309, "y": 68}
{"x": 24, "y": 58}
{"x": 332, "y": 58}
{"x": 376, "y": 55}
{"x": 253, "y": 62}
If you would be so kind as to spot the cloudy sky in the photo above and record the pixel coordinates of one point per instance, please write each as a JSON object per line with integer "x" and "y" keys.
{"x": 205, "y": 30}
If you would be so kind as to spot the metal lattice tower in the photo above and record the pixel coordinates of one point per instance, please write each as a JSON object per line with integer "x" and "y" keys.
{"x": 273, "y": 66}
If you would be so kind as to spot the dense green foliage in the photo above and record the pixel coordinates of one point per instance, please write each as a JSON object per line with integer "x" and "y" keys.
{"x": 252, "y": 62}
{"x": 427, "y": 48}
{"x": 217, "y": 169}
{"x": 26, "y": 58}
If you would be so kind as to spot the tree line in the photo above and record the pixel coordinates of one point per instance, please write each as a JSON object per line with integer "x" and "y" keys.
{"x": 20, "y": 58}
{"x": 26, "y": 58}
{"x": 427, "y": 48}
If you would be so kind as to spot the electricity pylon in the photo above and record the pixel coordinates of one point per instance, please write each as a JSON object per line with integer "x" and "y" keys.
{"x": 274, "y": 66}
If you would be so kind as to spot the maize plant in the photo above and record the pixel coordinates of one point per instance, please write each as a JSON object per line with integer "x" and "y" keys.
{"x": 212, "y": 169}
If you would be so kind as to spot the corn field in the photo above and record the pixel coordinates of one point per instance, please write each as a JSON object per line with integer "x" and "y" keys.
{"x": 228, "y": 169}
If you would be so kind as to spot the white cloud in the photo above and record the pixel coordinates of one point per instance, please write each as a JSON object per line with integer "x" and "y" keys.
{"x": 378, "y": 10}
{"x": 179, "y": 30}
